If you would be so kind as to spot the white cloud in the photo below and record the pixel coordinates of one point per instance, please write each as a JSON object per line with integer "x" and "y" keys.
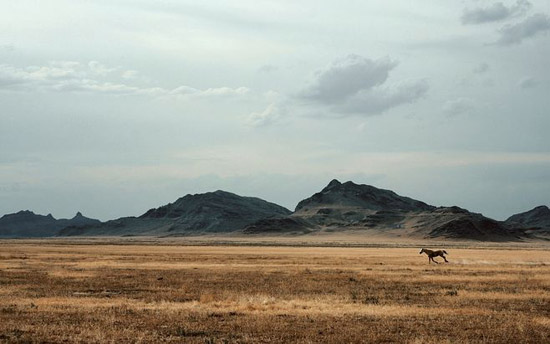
{"x": 130, "y": 74}
{"x": 496, "y": 12}
{"x": 187, "y": 91}
{"x": 100, "y": 69}
{"x": 94, "y": 77}
{"x": 87, "y": 85}
{"x": 184, "y": 91}
{"x": 532, "y": 26}
{"x": 357, "y": 85}
{"x": 225, "y": 91}
{"x": 61, "y": 76}
{"x": 377, "y": 100}
{"x": 347, "y": 77}
{"x": 270, "y": 115}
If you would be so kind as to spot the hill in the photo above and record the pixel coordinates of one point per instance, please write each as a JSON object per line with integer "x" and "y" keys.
{"x": 373, "y": 211}
{"x": 536, "y": 220}
{"x": 337, "y": 207}
{"x": 27, "y": 224}
{"x": 350, "y": 195}
{"x": 212, "y": 212}
{"x": 458, "y": 223}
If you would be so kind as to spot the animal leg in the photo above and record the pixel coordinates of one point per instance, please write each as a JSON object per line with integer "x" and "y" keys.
{"x": 435, "y": 261}
{"x": 446, "y": 261}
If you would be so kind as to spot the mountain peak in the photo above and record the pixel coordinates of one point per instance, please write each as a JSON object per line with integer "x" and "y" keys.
{"x": 78, "y": 215}
{"x": 349, "y": 194}
{"x": 541, "y": 208}
{"x": 334, "y": 182}
{"x": 221, "y": 193}
{"x": 218, "y": 211}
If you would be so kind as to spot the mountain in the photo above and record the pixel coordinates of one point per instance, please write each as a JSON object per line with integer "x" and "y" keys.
{"x": 458, "y": 223}
{"x": 28, "y": 224}
{"x": 344, "y": 204}
{"x": 281, "y": 225}
{"x": 350, "y": 195}
{"x": 337, "y": 207}
{"x": 372, "y": 211}
{"x": 212, "y": 212}
{"x": 78, "y": 220}
{"x": 536, "y": 219}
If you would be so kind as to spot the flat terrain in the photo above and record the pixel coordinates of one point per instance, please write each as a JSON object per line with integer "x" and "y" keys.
{"x": 55, "y": 291}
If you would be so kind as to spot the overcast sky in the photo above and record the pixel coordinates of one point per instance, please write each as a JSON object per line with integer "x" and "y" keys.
{"x": 115, "y": 107}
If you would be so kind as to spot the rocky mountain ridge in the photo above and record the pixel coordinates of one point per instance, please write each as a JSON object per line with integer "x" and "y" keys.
{"x": 25, "y": 223}
{"x": 337, "y": 207}
{"x": 211, "y": 212}
{"x": 373, "y": 211}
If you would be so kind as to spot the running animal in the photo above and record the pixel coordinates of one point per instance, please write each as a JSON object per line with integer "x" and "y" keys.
{"x": 432, "y": 254}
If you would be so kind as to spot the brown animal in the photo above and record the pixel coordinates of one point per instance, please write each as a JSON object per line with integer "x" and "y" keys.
{"x": 432, "y": 254}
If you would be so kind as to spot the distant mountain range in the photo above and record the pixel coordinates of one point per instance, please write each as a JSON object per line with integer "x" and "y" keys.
{"x": 28, "y": 224}
{"x": 212, "y": 212}
{"x": 338, "y": 207}
{"x": 373, "y": 211}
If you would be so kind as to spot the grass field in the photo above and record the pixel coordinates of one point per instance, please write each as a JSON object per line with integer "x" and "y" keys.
{"x": 55, "y": 291}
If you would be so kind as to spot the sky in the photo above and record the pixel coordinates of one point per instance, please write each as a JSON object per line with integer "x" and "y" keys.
{"x": 114, "y": 107}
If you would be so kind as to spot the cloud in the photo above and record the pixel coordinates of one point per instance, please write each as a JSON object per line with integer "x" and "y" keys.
{"x": 68, "y": 76}
{"x": 377, "y": 100}
{"x": 348, "y": 76}
{"x": 184, "y": 91}
{"x": 92, "y": 86}
{"x": 270, "y": 115}
{"x": 496, "y": 12}
{"x": 357, "y": 85}
{"x": 514, "y": 34}
{"x": 187, "y": 91}
{"x": 94, "y": 77}
{"x": 225, "y": 91}
{"x": 130, "y": 74}
{"x": 100, "y": 69}
{"x": 458, "y": 106}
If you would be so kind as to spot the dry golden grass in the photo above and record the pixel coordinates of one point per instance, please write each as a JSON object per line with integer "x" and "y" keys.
{"x": 55, "y": 291}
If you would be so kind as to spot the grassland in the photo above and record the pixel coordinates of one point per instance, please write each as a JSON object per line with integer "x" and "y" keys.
{"x": 59, "y": 291}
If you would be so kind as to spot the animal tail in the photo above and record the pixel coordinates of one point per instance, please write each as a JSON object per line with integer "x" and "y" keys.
{"x": 445, "y": 252}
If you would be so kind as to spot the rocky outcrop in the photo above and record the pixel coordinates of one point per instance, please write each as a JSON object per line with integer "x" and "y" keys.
{"x": 536, "y": 218}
